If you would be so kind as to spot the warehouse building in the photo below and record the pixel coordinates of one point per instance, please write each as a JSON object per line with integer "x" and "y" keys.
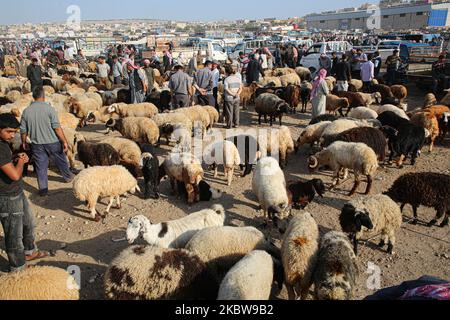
{"x": 417, "y": 15}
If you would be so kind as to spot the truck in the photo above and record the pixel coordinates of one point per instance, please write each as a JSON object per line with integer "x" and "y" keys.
{"x": 249, "y": 46}
{"x": 310, "y": 59}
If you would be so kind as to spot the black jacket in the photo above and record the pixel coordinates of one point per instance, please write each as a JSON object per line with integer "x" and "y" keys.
{"x": 343, "y": 71}
{"x": 254, "y": 69}
{"x": 34, "y": 74}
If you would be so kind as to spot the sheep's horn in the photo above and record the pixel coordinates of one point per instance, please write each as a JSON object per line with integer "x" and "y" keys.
{"x": 313, "y": 162}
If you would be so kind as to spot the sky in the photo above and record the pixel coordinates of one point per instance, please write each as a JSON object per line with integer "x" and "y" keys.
{"x": 24, "y": 11}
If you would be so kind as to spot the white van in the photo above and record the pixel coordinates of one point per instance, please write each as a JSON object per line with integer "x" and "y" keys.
{"x": 311, "y": 59}
{"x": 249, "y": 46}
{"x": 212, "y": 49}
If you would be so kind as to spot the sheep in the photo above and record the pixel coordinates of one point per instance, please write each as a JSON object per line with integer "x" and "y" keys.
{"x": 312, "y": 134}
{"x": 292, "y": 97}
{"x": 335, "y": 103}
{"x": 270, "y": 105}
{"x": 372, "y": 137}
{"x": 58, "y": 101}
{"x": 251, "y": 278}
{"x": 220, "y": 248}
{"x": 153, "y": 273}
{"x": 355, "y": 100}
{"x": 303, "y": 73}
{"x": 301, "y": 194}
{"x": 270, "y": 81}
{"x": 7, "y": 85}
{"x": 269, "y": 186}
{"x": 384, "y": 90}
{"x": 248, "y": 93}
{"x": 186, "y": 168}
{"x": 72, "y": 137}
{"x": 425, "y": 188}
{"x": 174, "y": 124}
{"x": 39, "y": 283}
{"x": 177, "y": 233}
{"x": 249, "y": 150}
{"x": 370, "y": 216}
{"x": 140, "y": 130}
{"x": 369, "y": 99}
{"x": 355, "y": 85}
{"x": 223, "y": 153}
{"x": 299, "y": 254}
{"x": 139, "y": 110}
{"x": 288, "y": 79}
{"x": 337, "y": 270}
{"x": 81, "y": 105}
{"x": 355, "y": 156}
{"x": 68, "y": 120}
{"x": 98, "y": 182}
{"x": 96, "y": 154}
{"x": 331, "y": 83}
{"x": 150, "y": 171}
{"x": 278, "y": 72}
{"x": 129, "y": 154}
{"x": 438, "y": 110}
{"x": 404, "y": 137}
{"x": 305, "y": 94}
{"x": 213, "y": 115}
{"x": 322, "y": 118}
{"x": 49, "y": 90}
{"x": 340, "y": 126}
{"x": 428, "y": 121}
{"x": 102, "y": 115}
{"x": 279, "y": 140}
{"x": 399, "y": 92}
{"x": 13, "y": 95}
{"x": 199, "y": 117}
{"x": 363, "y": 113}
{"x": 391, "y": 108}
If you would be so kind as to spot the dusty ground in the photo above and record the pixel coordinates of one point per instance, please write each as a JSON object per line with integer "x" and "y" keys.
{"x": 64, "y": 226}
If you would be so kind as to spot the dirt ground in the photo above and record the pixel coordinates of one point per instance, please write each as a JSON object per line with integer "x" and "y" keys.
{"x": 64, "y": 226}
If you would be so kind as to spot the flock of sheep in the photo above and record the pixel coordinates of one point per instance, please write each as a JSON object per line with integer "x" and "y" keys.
{"x": 199, "y": 257}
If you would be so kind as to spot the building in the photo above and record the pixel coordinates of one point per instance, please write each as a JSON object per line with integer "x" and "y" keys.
{"x": 395, "y": 16}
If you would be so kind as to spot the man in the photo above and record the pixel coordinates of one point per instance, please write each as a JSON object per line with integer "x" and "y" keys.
{"x": 439, "y": 76}
{"x": 254, "y": 70}
{"x": 103, "y": 70}
{"x": 21, "y": 66}
{"x": 136, "y": 82}
{"x": 71, "y": 53}
{"x": 15, "y": 214}
{"x": 377, "y": 61}
{"x": 243, "y": 62}
{"x": 167, "y": 60}
{"x": 358, "y": 59}
{"x": 216, "y": 78}
{"x": 40, "y": 124}
{"x": 117, "y": 71}
{"x": 277, "y": 57}
{"x": 180, "y": 87}
{"x": 343, "y": 74}
{"x": 192, "y": 66}
{"x": 325, "y": 63}
{"x": 392, "y": 65}
{"x": 34, "y": 74}
{"x": 334, "y": 62}
{"x": 203, "y": 83}
{"x": 367, "y": 74}
{"x": 232, "y": 89}
{"x": 150, "y": 76}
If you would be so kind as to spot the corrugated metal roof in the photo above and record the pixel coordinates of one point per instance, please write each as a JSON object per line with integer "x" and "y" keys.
{"x": 365, "y": 14}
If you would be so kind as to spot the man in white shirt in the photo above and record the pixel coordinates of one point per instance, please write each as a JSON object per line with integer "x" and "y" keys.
{"x": 367, "y": 73}
{"x": 216, "y": 77}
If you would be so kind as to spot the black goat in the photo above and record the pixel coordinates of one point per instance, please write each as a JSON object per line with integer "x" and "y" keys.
{"x": 301, "y": 194}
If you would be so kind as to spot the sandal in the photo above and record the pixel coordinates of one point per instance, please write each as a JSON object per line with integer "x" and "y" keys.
{"x": 37, "y": 255}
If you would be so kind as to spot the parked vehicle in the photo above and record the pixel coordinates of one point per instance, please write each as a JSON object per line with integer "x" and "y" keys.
{"x": 311, "y": 59}
{"x": 249, "y": 46}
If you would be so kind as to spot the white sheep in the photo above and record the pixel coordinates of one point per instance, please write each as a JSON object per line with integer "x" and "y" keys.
{"x": 279, "y": 140}
{"x": 176, "y": 233}
{"x": 345, "y": 155}
{"x": 99, "y": 182}
{"x": 250, "y": 279}
{"x": 299, "y": 254}
{"x": 154, "y": 273}
{"x": 213, "y": 115}
{"x": 39, "y": 283}
{"x": 366, "y": 217}
{"x": 370, "y": 98}
{"x": 143, "y": 110}
{"x": 174, "y": 125}
{"x": 72, "y": 136}
{"x": 223, "y": 153}
{"x": 342, "y": 125}
{"x": 222, "y": 247}
{"x": 312, "y": 133}
{"x": 390, "y": 107}
{"x": 269, "y": 186}
{"x": 288, "y": 79}
{"x": 363, "y": 113}
{"x": 275, "y": 81}
{"x": 336, "y": 272}
{"x": 140, "y": 130}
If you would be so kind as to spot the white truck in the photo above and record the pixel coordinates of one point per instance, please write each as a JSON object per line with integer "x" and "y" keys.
{"x": 311, "y": 59}
{"x": 249, "y": 46}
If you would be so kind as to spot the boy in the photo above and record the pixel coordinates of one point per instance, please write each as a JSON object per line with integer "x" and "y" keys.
{"x": 15, "y": 213}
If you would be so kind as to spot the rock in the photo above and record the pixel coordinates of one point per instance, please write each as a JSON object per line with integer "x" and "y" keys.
{"x": 68, "y": 229}
{"x": 86, "y": 222}
{"x": 47, "y": 223}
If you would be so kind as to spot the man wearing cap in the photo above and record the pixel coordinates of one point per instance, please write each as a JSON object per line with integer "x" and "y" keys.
{"x": 136, "y": 82}
{"x": 325, "y": 63}
{"x": 180, "y": 86}
{"x": 103, "y": 70}
{"x": 150, "y": 75}
{"x": 216, "y": 78}
{"x": 203, "y": 83}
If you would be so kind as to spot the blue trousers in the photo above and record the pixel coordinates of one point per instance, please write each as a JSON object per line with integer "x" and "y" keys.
{"x": 18, "y": 224}
{"x": 41, "y": 154}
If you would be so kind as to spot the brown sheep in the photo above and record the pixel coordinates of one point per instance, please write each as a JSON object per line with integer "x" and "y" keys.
{"x": 247, "y": 94}
{"x": 428, "y": 121}
{"x": 385, "y": 90}
{"x": 292, "y": 97}
{"x": 334, "y": 103}
{"x": 400, "y": 92}
{"x": 355, "y": 100}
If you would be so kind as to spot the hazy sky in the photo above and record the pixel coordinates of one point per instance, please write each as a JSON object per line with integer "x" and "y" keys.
{"x": 21, "y": 11}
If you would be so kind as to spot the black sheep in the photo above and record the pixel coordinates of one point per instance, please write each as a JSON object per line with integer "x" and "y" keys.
{"x": 426, "y": 189}
{"x": 205, "y": 192}
{"x": 301, "y": 194}
{"x": 323, "y": 118}
{"x": 404, "y": 137}
{"x": 305, "y": 95}
{"x": 97, "y": 154}
{"x": 372, "y": 137}
{"x": 150, "y": 171}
